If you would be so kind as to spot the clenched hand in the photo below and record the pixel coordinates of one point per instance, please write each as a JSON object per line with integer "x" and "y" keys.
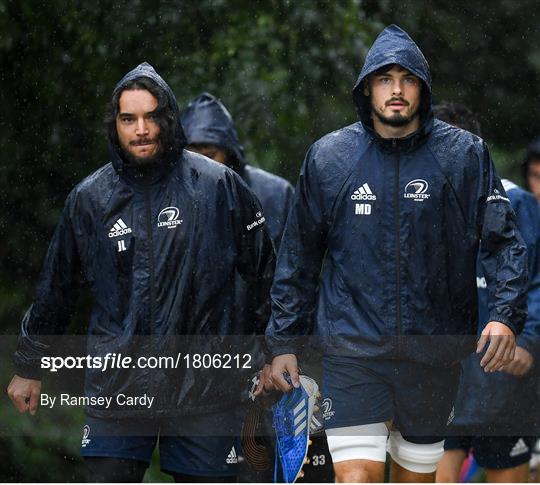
{"x": 24, "y": 393}
{"x": 281, "y": 364}
{"x": 501, "y": 348}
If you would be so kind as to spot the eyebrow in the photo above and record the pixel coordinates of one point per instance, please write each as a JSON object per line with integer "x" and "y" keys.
{"x": 154, "y": 111}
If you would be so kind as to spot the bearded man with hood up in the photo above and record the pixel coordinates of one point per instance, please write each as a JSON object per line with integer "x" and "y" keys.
{"x": 377, "y": 262}
{"x": 210, "y": 130}
{"x": 159, "y": 234}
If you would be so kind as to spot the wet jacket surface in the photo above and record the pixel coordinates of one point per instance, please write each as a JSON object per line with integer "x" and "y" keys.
{"x": 497, "y": 400}
{"x": 160, "y": 250}
{"x": 207, "y": 121}
{"x": 378, "y": 255}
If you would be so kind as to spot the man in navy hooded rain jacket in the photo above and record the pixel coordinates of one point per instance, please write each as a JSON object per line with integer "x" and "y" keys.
{"x": 160, "y": 235}
{"x": 378, "y": 263}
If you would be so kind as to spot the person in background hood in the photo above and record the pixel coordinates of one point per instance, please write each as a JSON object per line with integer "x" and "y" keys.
{"x": 531, "y": 168}
{"x": 210, "y": 131}
{"x": 377, "y": 262}
{"x": 502, "y": 439}
{"x": 160, "y": 235}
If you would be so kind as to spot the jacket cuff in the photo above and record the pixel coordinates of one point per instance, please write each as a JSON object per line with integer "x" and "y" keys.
{"x": 282, "y": 344}
{"x": 27, "y": 369}
{"x": 283, "y": 350}
{"x": 497, "y": 317}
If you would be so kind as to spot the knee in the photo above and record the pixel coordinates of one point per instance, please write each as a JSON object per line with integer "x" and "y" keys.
{"x": 358, "y": 475}
{"x": 358, "y": 452}
{"x": 443, "y": 476}
{"x": 449, "y": 466}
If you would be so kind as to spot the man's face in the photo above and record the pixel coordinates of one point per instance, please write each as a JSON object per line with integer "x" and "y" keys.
{"x": 533, "y": 177}
{"x": 136, "y": 125}
{"x": 211, "y": 151}
{"x": 395, "y": 96}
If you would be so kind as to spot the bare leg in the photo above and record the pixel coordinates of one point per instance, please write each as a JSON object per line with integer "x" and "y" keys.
{"x": 359, "y": 471}
{"x": 398, "y": 474}
{"x": 450, "y": 465}
{"x": 517, "y": 474}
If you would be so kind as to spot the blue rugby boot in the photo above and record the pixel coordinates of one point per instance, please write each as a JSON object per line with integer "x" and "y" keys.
{"x": 292, "y": 422}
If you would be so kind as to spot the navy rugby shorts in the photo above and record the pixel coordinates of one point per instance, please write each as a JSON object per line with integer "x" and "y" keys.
{"x": 494, "y": 452}
{"x": 417, "y": 398}
{"x": 187, "y": 444}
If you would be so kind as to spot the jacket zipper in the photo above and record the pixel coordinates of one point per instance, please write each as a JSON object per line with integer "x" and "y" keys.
{"x": 151, "y": 384}
{"x": 398, "y": 258}
{"x": 151, "y": 257}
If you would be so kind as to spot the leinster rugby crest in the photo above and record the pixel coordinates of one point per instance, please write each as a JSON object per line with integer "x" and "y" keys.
{"x": 168, "y": 218}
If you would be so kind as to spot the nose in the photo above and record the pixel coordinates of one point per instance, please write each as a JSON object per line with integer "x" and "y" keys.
{"x": 142, "y": 128}
{"x": 396, "y": 87}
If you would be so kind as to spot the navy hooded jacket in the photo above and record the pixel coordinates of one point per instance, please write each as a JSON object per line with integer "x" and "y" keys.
{"x": 160, "y": 249}
{"x": 207, "y": 121}
{"x": 378, "y": 255}
{"x": 500, "y": 402}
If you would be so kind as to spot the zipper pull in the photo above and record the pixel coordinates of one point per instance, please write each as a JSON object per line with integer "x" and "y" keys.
{"x": 394, "y": 142}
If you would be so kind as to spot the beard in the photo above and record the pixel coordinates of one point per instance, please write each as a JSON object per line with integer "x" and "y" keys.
{"x": 142, "y": 162}
{"x": 395, "y": 120}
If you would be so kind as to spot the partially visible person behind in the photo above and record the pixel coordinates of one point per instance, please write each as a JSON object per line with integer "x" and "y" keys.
{"x": 210, "y": 131}
{"x": 531, "y": 168}
{"x": 509, "y": 395}
{"x": 458, "y": 115}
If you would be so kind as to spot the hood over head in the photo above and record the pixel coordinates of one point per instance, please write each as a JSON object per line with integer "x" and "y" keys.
{"x": 393, "y": 46}
{"x": 207, "y": 121}
{"x": 178, "y": 139}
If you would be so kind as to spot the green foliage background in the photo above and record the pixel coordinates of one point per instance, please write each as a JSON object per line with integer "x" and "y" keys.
{"x": 283, "y": 68}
